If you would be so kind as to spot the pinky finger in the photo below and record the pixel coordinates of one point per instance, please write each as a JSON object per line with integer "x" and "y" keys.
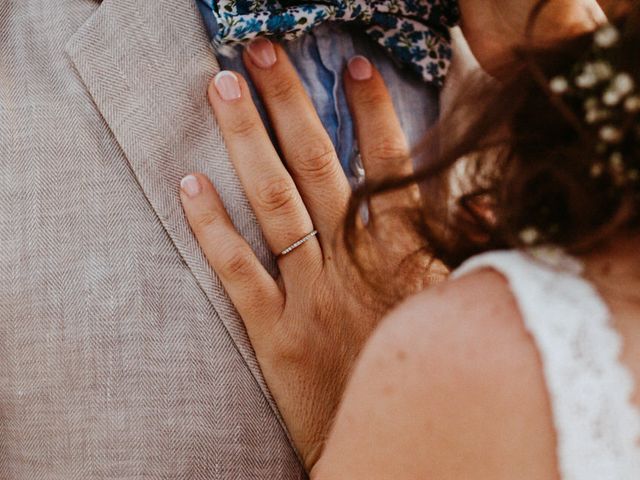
{"x": 252, "y": 290}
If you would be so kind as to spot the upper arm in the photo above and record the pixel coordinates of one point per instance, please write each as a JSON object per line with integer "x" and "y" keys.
{"x": 448, "y": 388}
{"x": 493, "y": 27}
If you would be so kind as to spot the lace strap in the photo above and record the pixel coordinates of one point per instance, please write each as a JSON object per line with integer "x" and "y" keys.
{"x": 597, "y": 426}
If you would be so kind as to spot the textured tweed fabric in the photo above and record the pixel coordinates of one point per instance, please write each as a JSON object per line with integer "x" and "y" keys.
{"x": 120, "y": 356}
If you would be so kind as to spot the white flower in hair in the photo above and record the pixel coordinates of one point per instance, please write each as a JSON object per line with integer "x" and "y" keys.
{"x": 623, "y": 84}
{"x": 611, "y": 134}
{"x": 611, "y": 98}
{"x": 592, "y": 116}
{"x": 632, "y": 104}
{"x": 616, "y": 165}
{"x": 593, "y": 73}
{"x": 593, "y": 112}
{"x": 616, "y": 161}
{"x": 607, "y": 36}
{"x": 586, "y": 79}
{"x": 601, "y": 69}
{"x": 529, "y": 235}
{"x": 596, "y": 115}
{"x": 559, "y": 85}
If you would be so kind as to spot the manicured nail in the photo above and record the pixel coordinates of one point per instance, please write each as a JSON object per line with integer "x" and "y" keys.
{"x": 262, "y": 53}
{"x": 360, "y": 68}
{"x": 190, "y": 185}
{"x": 227, "y": 85}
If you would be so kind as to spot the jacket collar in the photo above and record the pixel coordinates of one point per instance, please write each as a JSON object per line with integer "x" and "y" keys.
{"x": 146, "y": 66}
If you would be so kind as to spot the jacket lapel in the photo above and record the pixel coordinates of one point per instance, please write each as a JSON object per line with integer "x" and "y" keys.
{"x": 147, "y": 66}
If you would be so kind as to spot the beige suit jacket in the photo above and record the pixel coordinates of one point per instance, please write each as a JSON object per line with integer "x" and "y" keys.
{"x": 120, "y": 355}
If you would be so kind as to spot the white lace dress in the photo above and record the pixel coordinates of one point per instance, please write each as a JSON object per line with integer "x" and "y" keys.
{"x": 597, "y": 426}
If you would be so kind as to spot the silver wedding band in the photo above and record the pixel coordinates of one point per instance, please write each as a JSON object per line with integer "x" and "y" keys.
{"x": 299, "y": 243}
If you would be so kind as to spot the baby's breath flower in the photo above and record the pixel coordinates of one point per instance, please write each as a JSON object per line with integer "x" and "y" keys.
{"x": 632, "y": 104}
{"x": 529, "y": 236}
{"x": 616, "y": 161}
{"x": 607, "y": 36}
{"x": 611, "y": 98}
{"x": 623, "y": 84}
{"x": 596, "y": 115}
{"x": 601, "y": 69}
{"x": 616, "y": 164}
{"x": 611, "y": 134}
{"x": 586, "y": 79}
{"x": 559, "y": 85}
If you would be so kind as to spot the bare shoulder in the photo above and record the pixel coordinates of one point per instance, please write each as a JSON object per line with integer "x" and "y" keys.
{"x": 457, "y": 321}
{"x": 451, "y": 386}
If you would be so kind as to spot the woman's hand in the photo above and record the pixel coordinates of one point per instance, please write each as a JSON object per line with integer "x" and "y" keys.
{"x": 307, "y": 326}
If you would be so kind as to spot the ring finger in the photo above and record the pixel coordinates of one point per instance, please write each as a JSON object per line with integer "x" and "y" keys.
{"x": 269, "y": 187}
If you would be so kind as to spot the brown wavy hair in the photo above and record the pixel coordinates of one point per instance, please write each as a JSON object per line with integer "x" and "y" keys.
{"x": 523, "y": 162}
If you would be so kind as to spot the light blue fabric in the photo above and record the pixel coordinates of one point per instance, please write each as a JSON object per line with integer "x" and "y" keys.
{"x": 321, "y": 57}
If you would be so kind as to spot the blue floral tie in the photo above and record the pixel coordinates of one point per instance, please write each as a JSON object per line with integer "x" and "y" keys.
{"x": 415, "y": 32}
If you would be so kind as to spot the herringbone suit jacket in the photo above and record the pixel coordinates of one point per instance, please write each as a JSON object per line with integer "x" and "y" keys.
{"x": 120, "y": 355}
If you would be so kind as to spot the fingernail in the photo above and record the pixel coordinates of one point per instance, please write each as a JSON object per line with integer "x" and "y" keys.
{"x": 262, "y": 53}
{"x": 227, "y": 85}
{"x": 360, "y": 68}
{"x": 190, "y": 185}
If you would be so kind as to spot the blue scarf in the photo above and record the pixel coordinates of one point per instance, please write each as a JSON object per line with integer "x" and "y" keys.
{"x": 415, "y": 32}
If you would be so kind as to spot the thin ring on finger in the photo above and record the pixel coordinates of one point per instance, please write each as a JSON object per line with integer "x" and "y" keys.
{"x": 270, "y": 189}
{"x": 298, "y": 243}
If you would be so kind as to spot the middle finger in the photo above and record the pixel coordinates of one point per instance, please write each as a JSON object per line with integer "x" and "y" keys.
{"x": 306, "y": 146}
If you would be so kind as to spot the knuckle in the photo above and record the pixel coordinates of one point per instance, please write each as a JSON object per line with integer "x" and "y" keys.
{"x": 242, "y": 127}
{"x": 318, "y": 159}
{"x": 372, "y": 99}
{"x": 204, "y": 221}
{"x": 276, "y": 194}
{"x": 389, "y": 148}
{"x": 236, "y": 264}
{"x": 283, "y": 91}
